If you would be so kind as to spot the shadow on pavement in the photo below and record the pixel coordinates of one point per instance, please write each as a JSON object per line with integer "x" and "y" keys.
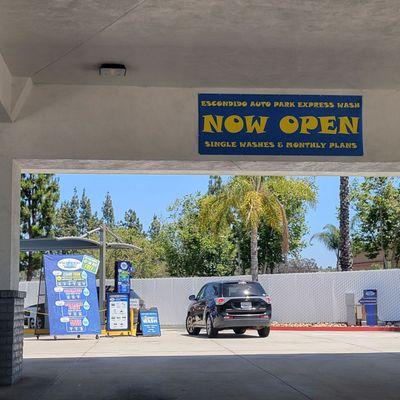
{"x": 252, "y": 376}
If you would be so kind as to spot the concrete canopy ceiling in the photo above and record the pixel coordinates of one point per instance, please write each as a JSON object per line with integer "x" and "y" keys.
{"x": 341, "y": 44}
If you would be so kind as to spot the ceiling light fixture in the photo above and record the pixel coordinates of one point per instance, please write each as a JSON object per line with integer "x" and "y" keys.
{"x": 112, "y": 70}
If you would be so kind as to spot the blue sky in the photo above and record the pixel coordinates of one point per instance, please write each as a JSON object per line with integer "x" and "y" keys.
{"x": 152, "y": 194}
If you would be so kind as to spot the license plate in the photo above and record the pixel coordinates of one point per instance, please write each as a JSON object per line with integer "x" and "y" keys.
{"x": 246, "y": 305}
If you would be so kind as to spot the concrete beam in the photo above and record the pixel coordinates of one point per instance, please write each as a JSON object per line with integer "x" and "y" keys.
{"x": 20, "y": 90}
{"x": 10, "y": 176}
{"x": 13, "y": 93}
{"x": 5, "y": 91}
{"x": 67, "y": 128}
{"x": 69, "y": 166}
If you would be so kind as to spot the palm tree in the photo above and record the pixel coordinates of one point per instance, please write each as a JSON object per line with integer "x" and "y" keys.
{"x": 251, "y": 200}
{"x": 344, "y": 225}
{"x": 330, "y": 237}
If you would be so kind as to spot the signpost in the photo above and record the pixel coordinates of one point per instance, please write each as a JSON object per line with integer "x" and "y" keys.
{"x": 149, "y": 322}
{"x": 280, "y": 124}
{"x": 71, "y": 295}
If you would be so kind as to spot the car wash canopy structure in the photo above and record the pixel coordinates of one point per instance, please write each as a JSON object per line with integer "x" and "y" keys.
{"x": 59, "y": 114}
{"x": 83, "y": 243}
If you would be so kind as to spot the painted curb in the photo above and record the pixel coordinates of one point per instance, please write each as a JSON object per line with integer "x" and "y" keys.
{"x": 338, "y": 328}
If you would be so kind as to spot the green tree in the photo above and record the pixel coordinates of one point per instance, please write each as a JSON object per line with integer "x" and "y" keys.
{"x": 296, "y": 195}
{"x": 345, "y": 257}
{"x": 155, "y": 228}
{"x": 188, "y": 250}
{"x": 377, "y": 205}
{"x": 330, "y": 238}
{"x": 39, "y": 196}
{"x": 214, "y": 185}
{"x": 297, "y": 265}
{"x": 86, "y": 220}
{"x": 131, "y": 220}
{"x": 148, "y": 261}
{"x": 67, "y": 217}
{"x": 249, "y": 199}
{"x": 108, "y": 211}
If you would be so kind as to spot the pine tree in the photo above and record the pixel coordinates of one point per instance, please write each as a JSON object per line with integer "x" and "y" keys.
{"x": 39, "y": 196}
{"x": 67, "y": 217}
{"x": 132, "y": 221}
{"x": 214, "y": 185}
{"x": 155, "y": 228}
{"x": 108, "y": 211}
{"x": 87, "y": 220}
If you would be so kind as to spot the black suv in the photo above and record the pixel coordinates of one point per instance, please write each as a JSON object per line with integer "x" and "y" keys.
{"x": 236, "y": 305}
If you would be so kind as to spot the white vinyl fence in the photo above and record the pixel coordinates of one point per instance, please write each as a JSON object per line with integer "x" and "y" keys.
{"x": 309, "y": 297}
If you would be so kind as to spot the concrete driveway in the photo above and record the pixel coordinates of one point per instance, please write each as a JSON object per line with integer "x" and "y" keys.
{"x": 287, "y": 365}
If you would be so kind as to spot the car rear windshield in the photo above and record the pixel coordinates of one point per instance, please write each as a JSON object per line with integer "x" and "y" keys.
{"x": 243, "y": 289}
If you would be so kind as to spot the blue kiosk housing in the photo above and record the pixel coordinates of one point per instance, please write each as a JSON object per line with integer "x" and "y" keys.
{"x": 123, "y": 270}
{"x": 118, "y": 303}
{"x": 370, "y": 303}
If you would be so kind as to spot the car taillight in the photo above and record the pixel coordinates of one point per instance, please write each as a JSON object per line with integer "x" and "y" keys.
{"x": 267, "y": 299}
{"x": 219, "y": 300}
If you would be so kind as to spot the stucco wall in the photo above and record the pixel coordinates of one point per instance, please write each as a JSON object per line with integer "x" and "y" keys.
{"x": 134, "y": 124}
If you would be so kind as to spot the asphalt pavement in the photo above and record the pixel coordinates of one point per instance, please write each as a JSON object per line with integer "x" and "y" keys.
{"x": 286, "y": 365}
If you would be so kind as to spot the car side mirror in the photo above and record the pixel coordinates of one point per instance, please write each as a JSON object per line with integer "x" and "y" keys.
{"x": 192, "y": 297}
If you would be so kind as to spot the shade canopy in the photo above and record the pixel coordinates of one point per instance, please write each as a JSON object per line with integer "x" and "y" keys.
{"x": 69, "y": 243}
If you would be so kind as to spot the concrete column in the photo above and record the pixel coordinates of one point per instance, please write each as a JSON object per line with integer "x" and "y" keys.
{"x": 10, "y": 182}
{"x": 11, "y": 300}
{"x": 11, "y": 335}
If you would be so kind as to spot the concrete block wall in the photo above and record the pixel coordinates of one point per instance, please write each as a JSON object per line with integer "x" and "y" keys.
{"x": 11, "y": 335}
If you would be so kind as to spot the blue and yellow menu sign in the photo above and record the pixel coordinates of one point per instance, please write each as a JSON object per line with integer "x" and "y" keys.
{"x": 71, "y": 295}
{"x": 270, "y": 124}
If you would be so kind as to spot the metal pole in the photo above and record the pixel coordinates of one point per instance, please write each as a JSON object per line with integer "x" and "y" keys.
{"x": 102, "y": 273}
{"x": 90, "y": 232}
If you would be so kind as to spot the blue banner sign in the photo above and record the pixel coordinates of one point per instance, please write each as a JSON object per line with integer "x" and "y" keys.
{"x": 71, "y": 296}
{"x": 149, "y": 322}
{"x": 118, "y": 312}
{"x": 270, "y": 124}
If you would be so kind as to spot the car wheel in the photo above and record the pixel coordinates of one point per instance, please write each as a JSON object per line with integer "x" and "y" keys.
{"x": 239, "y": 331}
{"x": 191, "y": 330}
{"x": 264, "y": 332}
{"x": 211, "y": 331}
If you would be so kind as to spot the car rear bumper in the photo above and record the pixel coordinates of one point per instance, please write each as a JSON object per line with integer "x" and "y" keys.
{"x": 241, "y": 321}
